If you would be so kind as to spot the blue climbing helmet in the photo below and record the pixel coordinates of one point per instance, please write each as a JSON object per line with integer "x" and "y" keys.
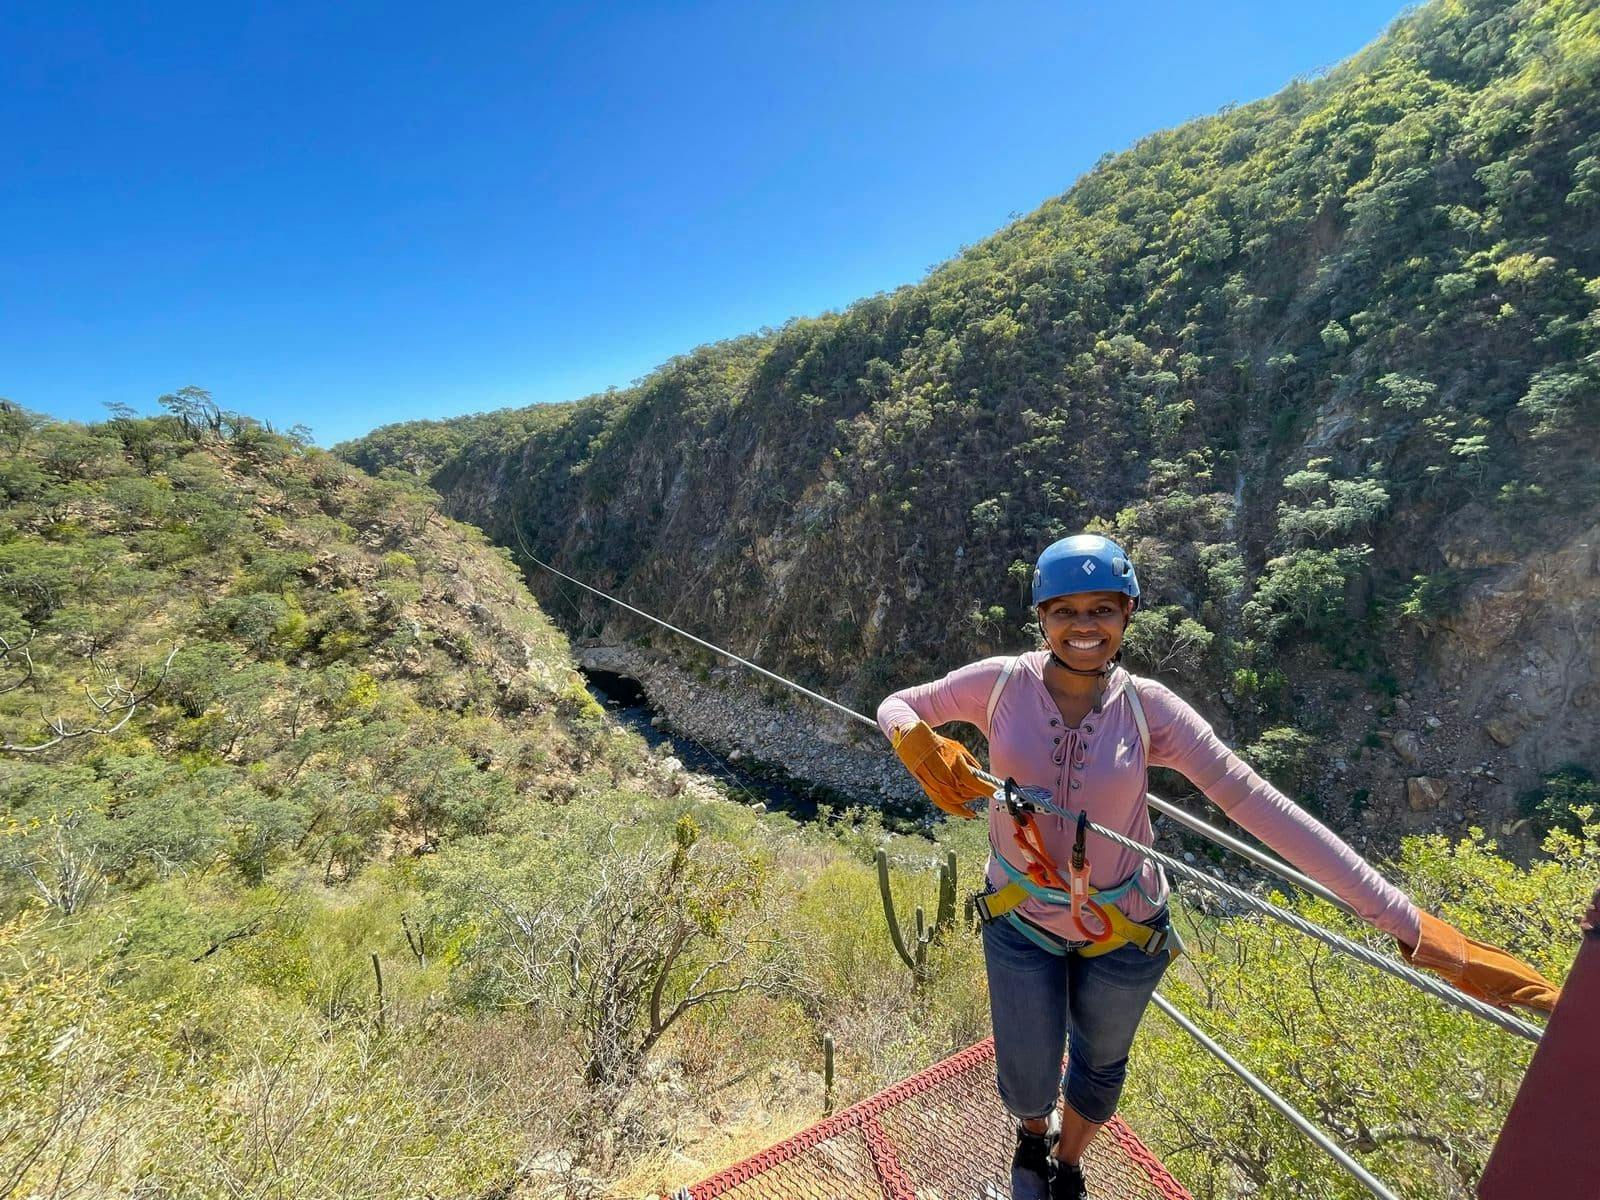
{"x": 1085, "y": 562}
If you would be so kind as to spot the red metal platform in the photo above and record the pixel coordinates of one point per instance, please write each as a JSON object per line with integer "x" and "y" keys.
{"x": 940, "y": 1135}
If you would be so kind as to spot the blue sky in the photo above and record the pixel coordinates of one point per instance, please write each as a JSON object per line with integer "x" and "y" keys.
{"x": 352, "y": 213}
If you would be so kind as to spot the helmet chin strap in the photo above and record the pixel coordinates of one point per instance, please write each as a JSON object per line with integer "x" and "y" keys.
{"x": 1061, "y": 662}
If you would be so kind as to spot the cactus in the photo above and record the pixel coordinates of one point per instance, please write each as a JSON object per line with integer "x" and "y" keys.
{"x": 915, "y": 956}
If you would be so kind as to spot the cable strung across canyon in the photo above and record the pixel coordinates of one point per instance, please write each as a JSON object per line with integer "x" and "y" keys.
{"x": 1372, "y": 958}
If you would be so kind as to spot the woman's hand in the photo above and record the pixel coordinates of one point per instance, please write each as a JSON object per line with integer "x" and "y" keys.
{"x": 944, "y": 768}
{"x": 1480, "y": 970}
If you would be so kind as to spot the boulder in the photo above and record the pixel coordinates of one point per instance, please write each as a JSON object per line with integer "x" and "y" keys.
{"x": 1504, "y": 729}
{"x": 1408, "y": 748}
{"x": 1424, "y": 793}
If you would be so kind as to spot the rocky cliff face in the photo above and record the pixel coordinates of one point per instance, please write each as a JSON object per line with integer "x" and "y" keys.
{"x": 1329, "y": 365}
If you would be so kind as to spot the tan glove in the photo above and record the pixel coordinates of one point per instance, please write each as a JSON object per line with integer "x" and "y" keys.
{"x": 1480, "y": 970}
{"x": 944, "y": 768}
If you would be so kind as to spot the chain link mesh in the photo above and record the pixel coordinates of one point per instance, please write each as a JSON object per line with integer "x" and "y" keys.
{"x": 940, "y": 1135}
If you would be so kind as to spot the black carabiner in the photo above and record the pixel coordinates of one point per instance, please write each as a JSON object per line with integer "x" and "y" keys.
{"x": 1020, "y": 810}
{"x": 1077, "y": 845}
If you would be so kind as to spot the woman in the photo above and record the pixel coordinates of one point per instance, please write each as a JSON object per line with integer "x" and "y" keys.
{"x": 1068, "y": 720}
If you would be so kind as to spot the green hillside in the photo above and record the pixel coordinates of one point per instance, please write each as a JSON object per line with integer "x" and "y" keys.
{"x": 1326, "y": 362}
{"x": 270, "y": 728}
{"x": 321, "y": 874}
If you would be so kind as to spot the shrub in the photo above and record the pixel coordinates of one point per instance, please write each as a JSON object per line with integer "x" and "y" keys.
{"x": 1567, "y": 798}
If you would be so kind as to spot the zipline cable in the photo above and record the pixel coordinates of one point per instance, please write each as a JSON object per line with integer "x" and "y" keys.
{"x": 1298, "y": 1119}
{"x": 758, "y": 669}
{"x": 1260, "y": 858}
{"x": 1434, "y": 987}
{"x": 715, "y": 760}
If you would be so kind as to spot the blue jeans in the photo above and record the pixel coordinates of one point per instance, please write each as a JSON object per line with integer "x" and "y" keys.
{"x": 1037, "y": 1000}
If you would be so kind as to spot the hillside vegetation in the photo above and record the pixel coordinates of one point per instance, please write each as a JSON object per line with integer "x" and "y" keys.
{"x": 273, "y": 729}
{"x": 1327, "y": 364}
{"x": 321, "y": 874}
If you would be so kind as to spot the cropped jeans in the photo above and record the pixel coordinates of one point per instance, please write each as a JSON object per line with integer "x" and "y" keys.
{"x": 1038, "y": 1001}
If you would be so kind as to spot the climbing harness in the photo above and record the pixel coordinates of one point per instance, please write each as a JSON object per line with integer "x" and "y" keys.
{"x": 1106, "y": 928}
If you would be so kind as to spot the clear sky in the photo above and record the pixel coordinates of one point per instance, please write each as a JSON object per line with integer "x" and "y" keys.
{"x": 350, "y": 213}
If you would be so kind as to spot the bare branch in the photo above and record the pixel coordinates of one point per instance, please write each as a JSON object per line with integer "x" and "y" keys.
{"x": 116, "y": 703}
{"x": 8, "y": 653}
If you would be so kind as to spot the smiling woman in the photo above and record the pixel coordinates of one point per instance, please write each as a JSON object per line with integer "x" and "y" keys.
{"x": 1077, "y": 962}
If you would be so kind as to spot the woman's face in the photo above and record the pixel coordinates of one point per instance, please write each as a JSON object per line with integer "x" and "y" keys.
{"x": 1085, "y": 630}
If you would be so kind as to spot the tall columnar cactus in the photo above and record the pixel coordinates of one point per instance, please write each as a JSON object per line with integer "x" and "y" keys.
{"x": 916, "y": 955}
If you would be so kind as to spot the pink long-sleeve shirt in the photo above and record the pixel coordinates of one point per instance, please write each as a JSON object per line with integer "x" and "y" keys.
{"x": 1099, "y": 766}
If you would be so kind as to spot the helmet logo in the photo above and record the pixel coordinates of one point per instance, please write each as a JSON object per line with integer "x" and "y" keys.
{"x": 1038, "y": 577}
{"x": 1088, "y": 566}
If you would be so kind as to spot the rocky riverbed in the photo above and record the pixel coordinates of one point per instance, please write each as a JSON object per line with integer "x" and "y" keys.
{"x": 730, "y": 716}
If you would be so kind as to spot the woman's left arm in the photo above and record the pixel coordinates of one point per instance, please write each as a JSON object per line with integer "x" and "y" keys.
{"x": 1183, "y": 740}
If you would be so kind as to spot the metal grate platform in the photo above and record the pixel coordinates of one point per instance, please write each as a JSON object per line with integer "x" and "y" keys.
{"x": 940, "y": 1135}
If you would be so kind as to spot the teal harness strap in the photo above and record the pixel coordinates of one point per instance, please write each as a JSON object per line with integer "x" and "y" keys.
{"x": 1037, "y": 936}
{"x": 1060, "y": 898}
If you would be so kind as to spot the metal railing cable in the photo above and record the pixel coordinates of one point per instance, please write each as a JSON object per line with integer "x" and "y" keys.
{"x": 1295, "y": 1117}
{"x": 1372, "y": 958}
{"x": 1336, "y": 941}
{"x": 1242, "y": 848}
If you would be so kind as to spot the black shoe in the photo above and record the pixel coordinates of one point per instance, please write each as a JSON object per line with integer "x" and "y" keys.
{"x": 1067, "y": 1182}
{"x": 1031, "y": 1164}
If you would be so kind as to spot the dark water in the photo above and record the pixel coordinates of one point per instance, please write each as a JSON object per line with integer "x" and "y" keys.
{"x": 625, "y": 700}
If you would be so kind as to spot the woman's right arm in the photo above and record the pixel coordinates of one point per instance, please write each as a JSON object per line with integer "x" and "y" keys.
{"x": 962, "y": 695}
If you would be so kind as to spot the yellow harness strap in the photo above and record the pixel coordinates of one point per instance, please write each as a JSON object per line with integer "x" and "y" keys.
{"x": 1124, "y": 929}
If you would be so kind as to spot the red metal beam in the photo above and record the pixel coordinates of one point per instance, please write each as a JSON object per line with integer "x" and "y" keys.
{"x": 1549, "y": 1147}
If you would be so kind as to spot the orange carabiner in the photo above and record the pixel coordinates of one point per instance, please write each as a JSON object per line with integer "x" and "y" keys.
{"x": 1040, "y": 867}
{"x": 1044, "y": 872}
{"x": 1081, "y": 900}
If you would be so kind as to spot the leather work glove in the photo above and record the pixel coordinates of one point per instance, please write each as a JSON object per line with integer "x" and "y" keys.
{"x": 944, "y": 768}
{"x": 1486, "y": 972}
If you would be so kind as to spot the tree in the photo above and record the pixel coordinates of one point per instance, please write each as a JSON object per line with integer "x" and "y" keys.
{"x": 1305, "y": 589}
{"x": 55, "y": 856}
{"x": 1167, "y": 640}
{"x": 197, "y": 413}
{"x": 650, "y": 938}
{"x": 112, "y": 701}
{"x": 1561, "y": 400}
